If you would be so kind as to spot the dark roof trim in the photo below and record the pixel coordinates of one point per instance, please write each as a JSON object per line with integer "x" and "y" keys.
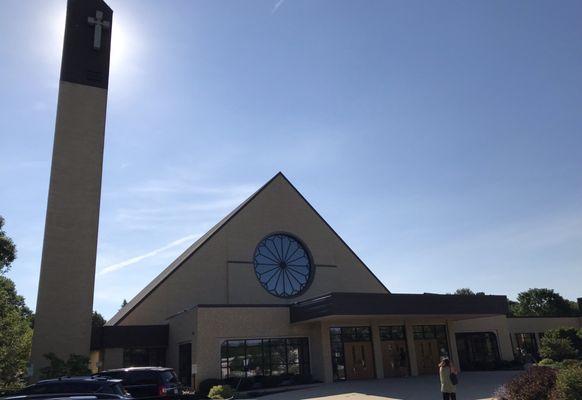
{"x": 396, "y": 304}
{"x": 243, "y": 305}
{"x": 129, "y": 336}
{"x": 542, "y": 316}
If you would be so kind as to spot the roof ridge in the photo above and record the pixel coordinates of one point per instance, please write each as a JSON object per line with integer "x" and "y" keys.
{"x": 167, "y": 272}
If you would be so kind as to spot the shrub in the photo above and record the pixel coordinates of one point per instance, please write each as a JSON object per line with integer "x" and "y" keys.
{"x": 568, "y": 384}
{"x": 501, "y": 393}
{"x": 205, "y": 386}
{"x": 534, "y": 384}
{"x": 572, "y": 334}
{"x": 557, "y": 348}
{"x": 568, "y": 363}
{"x": 221, "y": 392}
{"x": 76, "y": 365}
{"x": 55, "y": 369}
{"x": 548, "y": 362}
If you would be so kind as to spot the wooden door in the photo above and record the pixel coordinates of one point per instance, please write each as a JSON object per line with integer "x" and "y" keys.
{"x": 427, "y": 356}
{"x": 359, "y": 360}
{"x": 395, "y": 358}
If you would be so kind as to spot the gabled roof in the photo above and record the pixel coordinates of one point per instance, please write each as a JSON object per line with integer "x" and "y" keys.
{"x": 141, "y": 296}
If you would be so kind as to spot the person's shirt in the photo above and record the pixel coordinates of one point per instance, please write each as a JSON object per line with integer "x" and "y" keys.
{"x": 445, "y": 378}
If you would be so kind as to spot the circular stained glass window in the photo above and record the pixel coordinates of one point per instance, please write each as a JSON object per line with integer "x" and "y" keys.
{"x": 282, "y": 265}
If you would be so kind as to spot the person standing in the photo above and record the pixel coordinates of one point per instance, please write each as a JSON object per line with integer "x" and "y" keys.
{"x": 448, "y": 377}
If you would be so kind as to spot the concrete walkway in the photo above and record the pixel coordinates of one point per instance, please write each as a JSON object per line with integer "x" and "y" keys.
{"x": 472, "y": 386}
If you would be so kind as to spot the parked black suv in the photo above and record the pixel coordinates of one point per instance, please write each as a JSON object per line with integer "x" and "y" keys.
{"x": 98, "y": 387}
{"x": 147, "y": 381}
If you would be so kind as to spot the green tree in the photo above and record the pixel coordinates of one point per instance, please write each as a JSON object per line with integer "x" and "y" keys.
{"x": 14, "y": 300}
{"x": 557, "y": 349}
{"x": 467, "y": 292}
{"x": 540, "y": 303}
{"x": 7, "y": 249}
{"x": 512, "y": 307}
{"x": 15, "y": 321}
{"x": 15, "y": 340}
{"x": 464, "y": 292}
{"x": 97, "y": 320}
{"x": 573, "y": 335}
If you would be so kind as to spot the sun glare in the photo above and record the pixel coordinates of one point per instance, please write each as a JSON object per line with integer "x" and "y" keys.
{"x": 119, "y": 46}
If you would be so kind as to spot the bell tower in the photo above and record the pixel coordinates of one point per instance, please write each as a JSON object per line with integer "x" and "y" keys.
{"x": 65, "y": 292}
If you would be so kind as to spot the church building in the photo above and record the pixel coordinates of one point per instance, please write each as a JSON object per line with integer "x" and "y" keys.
{"x": 272, "y": 289}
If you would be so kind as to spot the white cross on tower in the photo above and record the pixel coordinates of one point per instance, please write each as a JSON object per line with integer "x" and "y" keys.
{"x": 99, "y": 26}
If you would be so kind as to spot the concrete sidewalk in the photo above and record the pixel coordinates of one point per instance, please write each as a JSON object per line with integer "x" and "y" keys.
{"x": 472, "y": 386}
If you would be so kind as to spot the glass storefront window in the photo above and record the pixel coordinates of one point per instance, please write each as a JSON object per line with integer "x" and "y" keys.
{"x": 478, "y": 351}
{"x": 431, "y": 346}
{"x": 351, "y": 334}
{"x": 525, "y": 346}
{"x": 392, "y": 333}
{"x": 394, "y": 351}
{"x": 264, "y": 357}
{"x": 278, "y": 351}
{"x": 429, "y": 331}
{"x": 254, "y": 357}
{"x": 340, "y": 336}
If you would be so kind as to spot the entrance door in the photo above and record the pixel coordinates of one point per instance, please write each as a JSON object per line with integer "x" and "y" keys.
{"x": 185, "y": 364}
{"x": 395, "y": 358}
{"x": 427, "y": 355}
{"x": 359, "y": 360}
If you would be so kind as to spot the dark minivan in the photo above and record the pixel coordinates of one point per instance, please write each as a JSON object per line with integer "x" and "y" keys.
{"x": 147, "y": 381}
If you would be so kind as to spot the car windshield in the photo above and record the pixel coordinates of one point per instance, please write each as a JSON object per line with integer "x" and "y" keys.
{"x": 141, "y": 378}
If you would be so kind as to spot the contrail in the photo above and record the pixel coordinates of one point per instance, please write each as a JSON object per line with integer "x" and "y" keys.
{"x": 133, "y": 260}
{"x": 277, "y": 5}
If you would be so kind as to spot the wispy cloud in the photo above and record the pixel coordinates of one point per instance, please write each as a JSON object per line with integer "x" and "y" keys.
{"x": 134, "y": 260}
{"x": 180, "y": 185}
{"x": 277, "y": 5}
{"x": 177, "y": 200}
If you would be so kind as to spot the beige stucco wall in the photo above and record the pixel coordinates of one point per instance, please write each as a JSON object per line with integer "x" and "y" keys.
{"x": 540, "y": 324}
{"x": 67, "y": 275}
{"x": 182, "y": 330}
{"x": 218, "y": 324}
{"x": 210, "y": 276}
{"x": 95, "y": 361}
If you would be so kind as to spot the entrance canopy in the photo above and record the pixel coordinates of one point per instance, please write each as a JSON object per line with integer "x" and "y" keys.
{"x": 129, "y": 336}
{"x": 354, "y": 304}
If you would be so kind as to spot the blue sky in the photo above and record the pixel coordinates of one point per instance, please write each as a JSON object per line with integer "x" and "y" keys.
{"x": 442, "y": 140}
